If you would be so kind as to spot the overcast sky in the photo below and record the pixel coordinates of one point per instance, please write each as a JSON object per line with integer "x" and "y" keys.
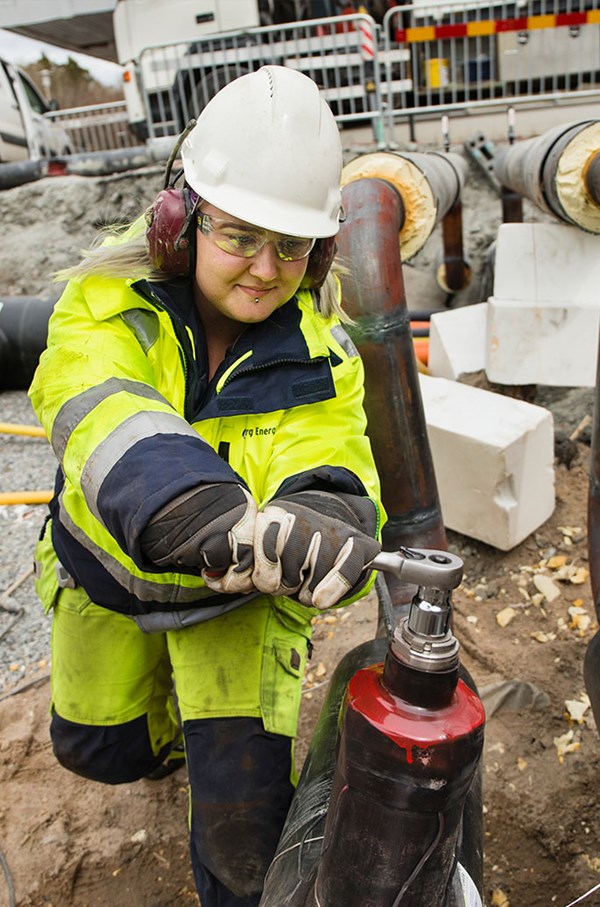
{"x": 17, "y": 49}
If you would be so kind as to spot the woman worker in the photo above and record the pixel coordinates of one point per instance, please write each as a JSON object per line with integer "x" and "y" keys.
{"x": 216, "y": 486}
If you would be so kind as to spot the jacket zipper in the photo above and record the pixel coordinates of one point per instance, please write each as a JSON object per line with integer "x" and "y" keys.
{"x": 186, "y": 353}
{"x": 257, "y": 368}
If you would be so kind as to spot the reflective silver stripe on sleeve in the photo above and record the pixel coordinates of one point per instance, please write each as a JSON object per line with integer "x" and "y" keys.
{"x": 144, "y": 325}
{"x": 77, "y": 408}
{"x": 143, "y": 589}
{"x": 123, "y": 438}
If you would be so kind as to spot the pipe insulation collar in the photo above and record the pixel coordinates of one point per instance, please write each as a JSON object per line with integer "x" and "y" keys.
{"x": 570, "y": 178}
{"x": 429, "y": 185}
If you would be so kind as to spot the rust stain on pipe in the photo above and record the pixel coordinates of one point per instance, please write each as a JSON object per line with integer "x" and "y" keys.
{"x": 374, "y": 296}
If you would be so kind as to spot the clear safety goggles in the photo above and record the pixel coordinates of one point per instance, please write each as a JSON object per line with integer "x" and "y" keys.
{"x": 246, "y": 241}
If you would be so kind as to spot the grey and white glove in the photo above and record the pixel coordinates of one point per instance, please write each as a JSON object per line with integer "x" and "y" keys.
{"x": 209, "y": 529}
{"x": 315, "y": 546}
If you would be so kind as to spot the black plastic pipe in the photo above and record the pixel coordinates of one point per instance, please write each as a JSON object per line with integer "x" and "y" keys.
{"x": 23, "y": 338}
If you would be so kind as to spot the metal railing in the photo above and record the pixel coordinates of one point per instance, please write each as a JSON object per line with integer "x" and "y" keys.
{"x": 425, "y": 58}
{"x": 341, "y": 54}
{"x": 476, "y": 56}
{"x": 98, "y": 127}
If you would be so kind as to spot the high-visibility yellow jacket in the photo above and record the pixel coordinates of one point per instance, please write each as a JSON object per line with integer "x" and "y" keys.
{"x": 123, "y": 394}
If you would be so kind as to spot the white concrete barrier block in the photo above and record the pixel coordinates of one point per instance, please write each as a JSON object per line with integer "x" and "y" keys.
{"x": 494, "y": 461}
{"x": 544, "y": 315}
{"x": 457, "y": 341}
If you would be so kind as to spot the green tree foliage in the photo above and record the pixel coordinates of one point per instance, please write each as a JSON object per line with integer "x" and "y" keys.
{"x": 69, "y": 84}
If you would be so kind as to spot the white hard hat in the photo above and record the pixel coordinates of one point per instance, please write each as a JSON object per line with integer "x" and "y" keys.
{"x": 267, "y": 149}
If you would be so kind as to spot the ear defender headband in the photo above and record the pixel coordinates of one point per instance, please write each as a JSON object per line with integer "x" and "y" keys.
{"x": 171, "y": 228}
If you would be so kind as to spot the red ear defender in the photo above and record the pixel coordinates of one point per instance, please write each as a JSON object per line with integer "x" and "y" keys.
{"x": 168, "y": 234}
{"x": 319, "y": 263}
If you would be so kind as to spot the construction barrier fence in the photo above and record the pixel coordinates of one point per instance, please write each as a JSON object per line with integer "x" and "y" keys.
{"x": 420, "y": 60}
{"x": 472, "y": 55}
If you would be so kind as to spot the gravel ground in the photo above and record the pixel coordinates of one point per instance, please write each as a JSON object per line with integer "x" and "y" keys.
{"x": 26, "y": 464}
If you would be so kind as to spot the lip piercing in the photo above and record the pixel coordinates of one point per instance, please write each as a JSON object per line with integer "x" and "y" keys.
{"x": 256, "y": 300}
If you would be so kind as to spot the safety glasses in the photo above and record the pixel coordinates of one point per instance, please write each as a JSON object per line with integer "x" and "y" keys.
{"x": 246, "y": 241}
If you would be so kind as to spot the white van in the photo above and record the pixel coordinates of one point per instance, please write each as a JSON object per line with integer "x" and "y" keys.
{"x": 25, "y": 133}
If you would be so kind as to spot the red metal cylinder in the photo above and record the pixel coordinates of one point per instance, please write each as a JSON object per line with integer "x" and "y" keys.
{"x": 409, "y": 748}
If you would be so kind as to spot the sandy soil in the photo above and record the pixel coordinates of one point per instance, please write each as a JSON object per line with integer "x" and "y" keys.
{"x": 71, "y": 842}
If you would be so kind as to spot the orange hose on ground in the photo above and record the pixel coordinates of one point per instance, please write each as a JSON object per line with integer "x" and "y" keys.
{"x": 25, "y": 497}
{"x": 421, "y": 345}
{"x": 33, "y": 431}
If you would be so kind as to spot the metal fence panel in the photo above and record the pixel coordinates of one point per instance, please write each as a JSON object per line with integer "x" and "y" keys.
{"x": 477, "y": 55}
{"x": 98, "y": 127}
{"x": 341, "y": 54}
{"x": 427, "y": 58}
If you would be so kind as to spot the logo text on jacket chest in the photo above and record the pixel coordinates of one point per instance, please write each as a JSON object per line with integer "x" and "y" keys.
{"x": 251, "y": 432}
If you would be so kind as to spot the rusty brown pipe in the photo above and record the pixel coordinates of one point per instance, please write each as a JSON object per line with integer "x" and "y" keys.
{"x": 593, "y": 514}
{"x": 454, "y": 273}
{"x": 591, "y": 666}
{"x": 375, "y": 298}
{"x": 512, "y": 206}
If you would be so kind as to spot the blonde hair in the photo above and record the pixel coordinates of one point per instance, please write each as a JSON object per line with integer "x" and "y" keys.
{"x": 117, "y": 251}
{"x": 122, "y": 252}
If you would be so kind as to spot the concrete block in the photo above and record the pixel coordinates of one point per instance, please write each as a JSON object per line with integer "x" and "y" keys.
{"x": 457, "y": 341}
{"x": 494, "y": 461}
{"x": 544, "y": 315}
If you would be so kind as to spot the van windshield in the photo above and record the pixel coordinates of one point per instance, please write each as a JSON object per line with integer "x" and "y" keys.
{"x": 35, "y": 101}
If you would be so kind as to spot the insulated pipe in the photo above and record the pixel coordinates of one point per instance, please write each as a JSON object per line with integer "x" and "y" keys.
{"x": 374, "y": 297}
{"x": 23, "y": 336}
{"x": 430, "y": 186}
{"x": 17, "y": 174}
{"x": 88, "y": 163}
{"x": 558, "y": 172}
{"x": 98, "y": 163}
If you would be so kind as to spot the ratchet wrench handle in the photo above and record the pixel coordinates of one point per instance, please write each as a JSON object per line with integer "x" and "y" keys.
{"x": 422, "y": 566}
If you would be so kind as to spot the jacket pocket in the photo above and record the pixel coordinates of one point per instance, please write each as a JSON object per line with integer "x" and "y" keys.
{"x": 284, "y": 661}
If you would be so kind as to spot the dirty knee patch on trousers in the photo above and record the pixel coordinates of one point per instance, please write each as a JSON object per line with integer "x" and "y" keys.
{"x": 240, "y": 791}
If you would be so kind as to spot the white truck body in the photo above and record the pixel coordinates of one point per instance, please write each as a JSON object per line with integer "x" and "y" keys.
{"x": 142, "y": 24}
{"x": 176, "y": 56}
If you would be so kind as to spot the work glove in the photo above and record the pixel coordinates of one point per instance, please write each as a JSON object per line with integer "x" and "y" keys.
{"x": 315, "y": 546}
{"x": 209, "y": 529}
